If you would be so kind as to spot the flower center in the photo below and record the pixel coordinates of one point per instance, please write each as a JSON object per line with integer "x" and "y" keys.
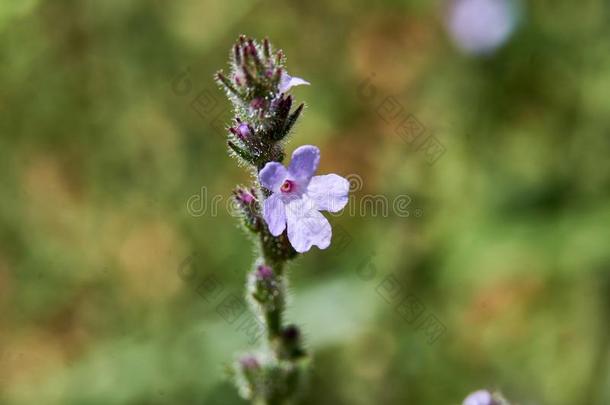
{"x": 287, "y": 187}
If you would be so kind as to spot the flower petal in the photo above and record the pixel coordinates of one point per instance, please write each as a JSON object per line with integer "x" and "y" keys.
{"x": 306, "y": 225}
{"x": 272, "y": 176}
{"x": 287, "y": 82}
{"x": 304, "y": 163}
{"x": 329, "y": 192}
{"x": 274, "y": 213}
{"x": 481, "y": 397}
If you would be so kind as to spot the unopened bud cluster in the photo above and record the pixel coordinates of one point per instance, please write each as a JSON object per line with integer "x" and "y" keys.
{"x": 264, "y": 115}
{"x": 267, "y": 288}
{"x": 249, "y": 208}
{"x": 260, "y": 378}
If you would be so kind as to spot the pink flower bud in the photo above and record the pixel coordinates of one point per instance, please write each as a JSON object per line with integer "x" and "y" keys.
{"x": 264, "y": 272}
{"x": 258, "y": 103}
{"x": 243, "y": 131}
{"x": 249, "y": 363}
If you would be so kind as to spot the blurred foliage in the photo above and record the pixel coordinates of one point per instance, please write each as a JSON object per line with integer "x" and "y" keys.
{"x": 506, "y": 244}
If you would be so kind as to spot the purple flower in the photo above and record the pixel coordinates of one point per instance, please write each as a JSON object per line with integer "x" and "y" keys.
{"x": 298, "y": 197}
{"x": 481, "y": 397}
{"x": 287, "y": 82}
{"x": 481, "y": 26}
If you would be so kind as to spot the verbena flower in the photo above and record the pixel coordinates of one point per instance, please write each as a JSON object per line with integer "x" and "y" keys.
{"x": 298, "y": 197}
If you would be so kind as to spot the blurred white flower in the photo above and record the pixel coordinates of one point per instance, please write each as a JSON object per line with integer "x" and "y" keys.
{"x": 481, "y": 26}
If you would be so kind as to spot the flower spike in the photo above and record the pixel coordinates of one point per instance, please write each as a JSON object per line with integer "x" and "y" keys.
{"x": 282, "y": 211}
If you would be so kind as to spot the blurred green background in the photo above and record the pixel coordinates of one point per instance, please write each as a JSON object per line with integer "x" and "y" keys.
{"x": 506, "y": 243}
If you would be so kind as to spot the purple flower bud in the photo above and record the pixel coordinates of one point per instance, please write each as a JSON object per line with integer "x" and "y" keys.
{"x": 258, "y": 103}
{"x": 249, "y": 363}
{"x": 291, "y": 333}
{"x": 247, "y": 198}
{"x": 292, "y": 345}
{"x": 243, "y": 131}
{"x": 251, "y": 47}
{"x": 237, "y": 54}
{"x": 244, "y": 196}
{"x": 247, "y": 207}
{"x": 264, "y": 273}
{"x": 279, "y": 55}
{"x": 266, "y": 48}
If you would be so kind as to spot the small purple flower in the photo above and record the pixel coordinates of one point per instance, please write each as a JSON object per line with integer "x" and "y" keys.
{"x": 481, "y": 26}
{"x": 299, "y": 196}
{"x": 481, "y": 397}
{"x": 287, "y": 82}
